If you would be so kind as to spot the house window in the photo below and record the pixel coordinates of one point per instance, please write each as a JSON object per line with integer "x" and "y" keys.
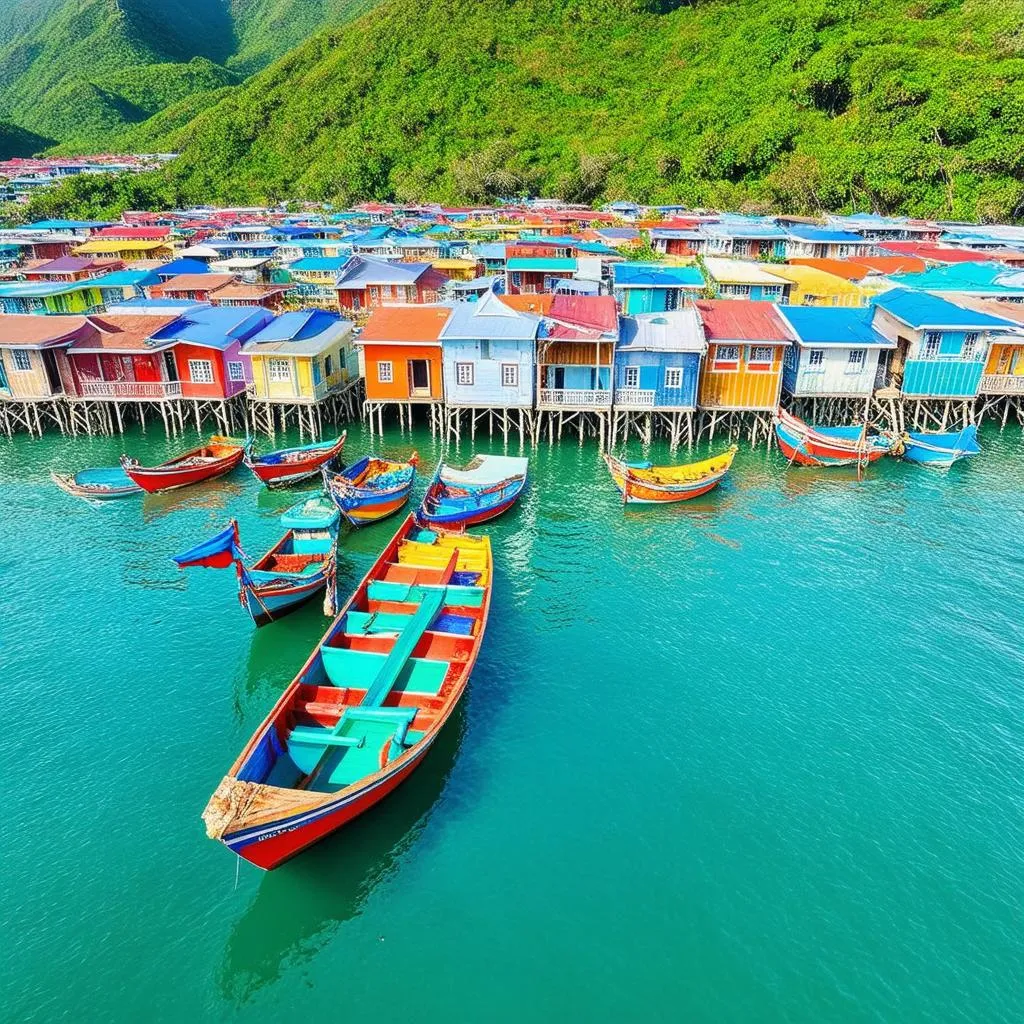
{"x": 385, "y": 372}
{"x": 970, "y": 344}
{"x": 200, "y": 371}
{"x": 280, "y": 371}
{"x": 22, "y": 359}
{"x": 932, "y": 341}
{"x": 464, "y": 374}
{"x": 674, "y": 377}
{"x": 485, "y": 349}
{"x": 816, "y": 358}
{"x": 842, "y": 251}
{"x": 774, "y": 290}
{"x": 510, "y": 375}
{"x": 235, "y": 372}
{"x": 856, "y": 361}
{"x": 672, "y": 298}
{"x": 631, "y": 377}
{"x": 727, "y": 357}
{"x": 759, "y": 357}
{"x": 328, "y": 366}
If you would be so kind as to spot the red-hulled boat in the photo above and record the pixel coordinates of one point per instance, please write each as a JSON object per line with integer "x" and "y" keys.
{"x": 809, "y": 445}
{"x": 367, "y": 705}
{"x": 219, "y": 456}
{"x": 290, "y": 465}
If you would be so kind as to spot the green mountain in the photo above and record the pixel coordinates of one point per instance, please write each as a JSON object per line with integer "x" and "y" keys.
{"x": 15, "y": 141}
{"x": 81, "y": 71}
{"x": 896, "y": 105}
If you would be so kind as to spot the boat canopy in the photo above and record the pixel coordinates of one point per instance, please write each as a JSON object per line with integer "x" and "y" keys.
{"x": 485, "y": 470}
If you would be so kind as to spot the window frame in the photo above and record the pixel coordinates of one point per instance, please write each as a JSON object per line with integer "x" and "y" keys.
{"x": 968, "y": 350}
{"x": 627, "y": 372}
{"x": 756, "y": 365}
{"x": 385, "y": 371}
{"x": 465, "y": 375}
{"x": 19, "y": 354}
{"x": 235, "y": 366}
{"x": 723, "y": 364}
{"x": 931, "y": 344}
{"x": 206, "y": 368}
{"x": 816, "y": 360}
{"x": 513, "y": 369}
{"x": 673, "y": 373}
{"x": 858, "y": 364}
{"x": 274, "y": 371}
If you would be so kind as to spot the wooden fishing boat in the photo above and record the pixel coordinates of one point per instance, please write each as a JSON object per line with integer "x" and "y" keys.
{"x": 289, "y": 465}
{"x": 295, "y": 569}
{"x": 368, "y": 704}
{"x": 101, "y": 484}
{"x": 219, "y": 456}
{"x": 829, "y": 446}
{"x": 372, "y": 488}
{"x": 642, "y": 483}
{"x": 940, "y": 450}
{"x": 481, "y": 490}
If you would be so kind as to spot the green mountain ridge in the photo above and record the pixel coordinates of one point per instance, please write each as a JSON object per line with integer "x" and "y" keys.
{"x": 82, "y": 71}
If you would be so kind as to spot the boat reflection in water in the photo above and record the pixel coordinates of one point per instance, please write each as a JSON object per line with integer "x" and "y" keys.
{"x": 301, "y": 906}
{"x": 214, "y": 495}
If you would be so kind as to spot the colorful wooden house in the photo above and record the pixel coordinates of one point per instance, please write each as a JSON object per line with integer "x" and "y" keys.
{"x": 50, "y": 297}
{"x": 71, "y": 268}
{"x": 207, "y": 349}
{"x": 532, "y": 269}
{"x": 749, "y": 238}
{"x": 657, "y": 361}
{"x": 116, "y": 359}
{"x": 576, "y": 351}
{"x": 402, "y": 355}
{"x": 743, "y": 368}
{"x": 835, "y": 352}
{"x": 301, "y": 357}
{"x": 127, "y": 249}
{"x": 1003, "y": 375}
{"x": 940, "y": 348}
{"x": 32, "y": 360}
{"x": 830, "y": 243}
{"x": 366, "y": 283}
{"x": 269, "y": 296}
{"x": 488, "y": 359}
{"x": 655, "y": 287}
{"x": 741, "y": 279}
{"x": 194, "y": 287}
{"x": 685, "y": 242}
{"x": 123, "y": 285}
{"x": 456, "y": 269}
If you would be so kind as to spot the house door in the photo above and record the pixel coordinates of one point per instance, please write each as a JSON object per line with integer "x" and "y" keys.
{"x": 4, "y": 385}
{"x": 52, "y": 373}
{"x": 419, "y": 377}
{"x": 170, "y": 365}
{"x": 559, "y": 378}
{"x": 114, "y": 367}
{"x": 147, "y": 368}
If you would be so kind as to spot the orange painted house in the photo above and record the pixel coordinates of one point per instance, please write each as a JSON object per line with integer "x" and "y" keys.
{"x": 746, "y": 344}
{"x": 402, "y": 353}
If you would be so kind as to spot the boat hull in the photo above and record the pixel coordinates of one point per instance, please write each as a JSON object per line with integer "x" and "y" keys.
{"x": 940, "y": 451}
{"x": 471, "y": 518}
{"x": 270, "y": 845}
{"x": 363, "y": 511}
{"x": 635, "y": 493}
{"x": 284, "y": 473}
{"x": 647, "y": 485}
{"x": 803, "y": 445}
{"x": 78, "y": 485}
{"x": 170, "y": 478}
{"x": 265, "y": 604}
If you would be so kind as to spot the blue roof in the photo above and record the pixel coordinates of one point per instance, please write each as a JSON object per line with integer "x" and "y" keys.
{"x": 834, "y": 325}
{"x": 963, "y": 277}
{"x": 217, "y": 326}
{"x": 490, "y": 250}
{"x": 185, "y": 265}
{"x": 299, "y": 325}
{"x": 809, "y": 234}
{"x": 654, "y": 275}
{"x": 626, "y": 234}
{"x": 368, "y": 270}
{"x": 728, "y": 228}
{"x": 67, "y": 225}
{"x": 319, "y": 264}
{"x": 920, "y": 310}
{"x": 125, "y": 279}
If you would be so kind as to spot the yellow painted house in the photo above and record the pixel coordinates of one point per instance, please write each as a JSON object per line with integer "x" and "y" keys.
{"x": 127, "y": 249}
{"x": 301, "y": 357}
{"x": 814, "y": 287}
{"x": 457, "y": 269}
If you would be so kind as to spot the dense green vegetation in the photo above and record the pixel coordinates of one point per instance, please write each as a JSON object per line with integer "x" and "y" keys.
{"x": 895, "y": 105}
{"x": 82, "y": 71}
{"x": 15, "y": 141}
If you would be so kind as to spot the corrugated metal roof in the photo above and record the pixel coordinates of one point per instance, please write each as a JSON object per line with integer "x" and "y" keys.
{"x": 833, "y": 325}
{"x": 805, "y": 233}
{"x": 541, "y": 264}
{"x": 26, "y": 330}
{"x": 413, "y": 324}
{"x": 117, "y": 333}
{"x": 304, "y": 332}
{"x": 740, "y": 272}
{"x": 923, "y": 310}
{"x": 591, "y": 312}
{"x": 489, "y": 318}
{"x": 736, "y": 320}
{"x": 196, "y": 282}
{"x": 656, "y": 275}
{"x": 216, "y": 326}
{"x": 367, "y": 270}
{"x": 676, "y": 331}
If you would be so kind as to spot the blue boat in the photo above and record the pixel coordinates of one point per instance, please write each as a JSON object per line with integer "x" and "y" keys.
{"x": 940, "y": 451}
{"x": 371, "y": 489}
{"x": 295, "y": 569}
{"x": 102, "y": 484}
{"x": 488, "y": 486}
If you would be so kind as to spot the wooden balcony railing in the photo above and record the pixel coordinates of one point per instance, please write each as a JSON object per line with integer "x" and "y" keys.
{"x": 131, "y": 389}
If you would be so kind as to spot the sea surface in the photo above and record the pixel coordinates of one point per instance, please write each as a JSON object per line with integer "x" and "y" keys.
{"x": 756, "y": 758}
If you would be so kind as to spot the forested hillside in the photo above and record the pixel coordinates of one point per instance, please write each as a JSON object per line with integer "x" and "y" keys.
{"x": 896, "y": 105}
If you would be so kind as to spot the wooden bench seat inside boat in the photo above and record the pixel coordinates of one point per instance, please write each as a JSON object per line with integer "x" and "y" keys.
{"x": 458, "y": 596}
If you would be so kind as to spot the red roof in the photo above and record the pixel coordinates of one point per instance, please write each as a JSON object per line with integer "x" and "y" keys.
{"x": 893, "y": 264}
{"x": 741, "y": 320}
{"x": 414, "y": 323}
{"x": 121, "y": 333}
{"x": 119, "y": 231}
{"x": 194, "y": 283}
{"x": 591, "y": 312}
{"x": 26, "y": 330}
{"x": 935, "y": 253}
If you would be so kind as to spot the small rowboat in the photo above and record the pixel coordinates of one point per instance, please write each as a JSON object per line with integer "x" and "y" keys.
{"x": 368, "y": 704}
{"x": 372, "y": 488}
{"x": 289, "y": 465}
{"x": 220, "y": 456}
{"x": 486, "y": 487}
{"x": 642, "y": 483}
{"x": 828, "y": 446}
{"x": 295, "y": 569}
{"x": 940, "y": 451}
{"x": 100, "y": 484}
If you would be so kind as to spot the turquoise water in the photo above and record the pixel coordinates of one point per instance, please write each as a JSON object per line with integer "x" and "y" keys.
{"x": 755, "y": 758}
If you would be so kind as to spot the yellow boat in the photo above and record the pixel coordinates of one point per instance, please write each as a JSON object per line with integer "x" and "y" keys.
{"x": 642, "y": 483}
